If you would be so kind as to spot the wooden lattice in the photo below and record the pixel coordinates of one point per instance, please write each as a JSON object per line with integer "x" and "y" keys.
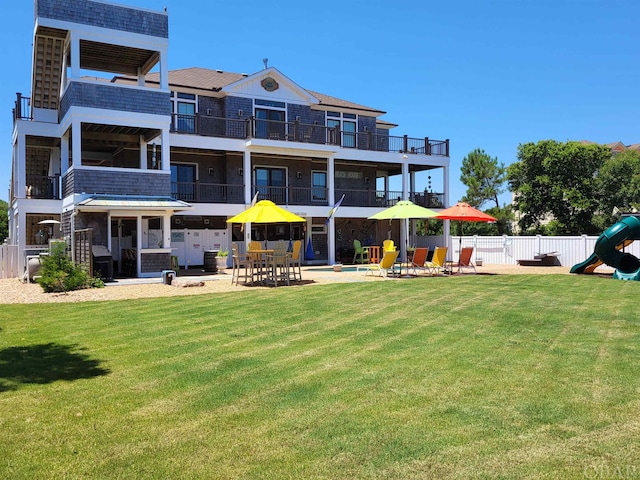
{"x": 47, "y": 72}
{"x": 83, "y": 251}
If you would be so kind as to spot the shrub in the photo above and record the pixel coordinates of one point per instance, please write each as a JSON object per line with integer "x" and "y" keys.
{"x": 59, "y": 274}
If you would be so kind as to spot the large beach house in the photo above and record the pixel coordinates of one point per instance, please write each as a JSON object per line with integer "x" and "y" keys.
{"x": 142, "y": 163}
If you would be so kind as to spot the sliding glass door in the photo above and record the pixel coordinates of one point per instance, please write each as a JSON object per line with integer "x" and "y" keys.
{"x": 272, "y": 184}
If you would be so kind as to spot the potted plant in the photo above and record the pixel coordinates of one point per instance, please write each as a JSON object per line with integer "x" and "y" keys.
{"x": 221, "y": 259}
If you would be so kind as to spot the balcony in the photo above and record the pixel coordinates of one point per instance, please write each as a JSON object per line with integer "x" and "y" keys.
{"x": 380, "y": 198}
{"x": 22, "y": 108}
{"x": 43, "y": 187}
{"x": 251, "y": 127}
{"x": 198, "y": 192}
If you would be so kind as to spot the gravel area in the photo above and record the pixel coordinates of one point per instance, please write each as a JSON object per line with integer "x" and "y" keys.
{"x": 14, "y": 291}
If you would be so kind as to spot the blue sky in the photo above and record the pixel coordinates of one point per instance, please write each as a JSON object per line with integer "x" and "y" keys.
{"x": 485, "y": 74}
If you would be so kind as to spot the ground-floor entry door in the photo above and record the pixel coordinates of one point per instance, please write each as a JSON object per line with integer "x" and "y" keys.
{"x": 124, "y": 237}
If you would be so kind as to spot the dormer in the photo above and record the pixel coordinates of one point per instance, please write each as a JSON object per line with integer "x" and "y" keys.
{"x": 270, "y": 85}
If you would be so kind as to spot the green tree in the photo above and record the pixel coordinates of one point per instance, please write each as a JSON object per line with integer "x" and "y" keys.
{"x": 618, "y": 186}
{"x": 60, "y": 274}
{"x": 555, "y": 186}
{"x": 4, "y": 220}
{"x": 485, "y": 178}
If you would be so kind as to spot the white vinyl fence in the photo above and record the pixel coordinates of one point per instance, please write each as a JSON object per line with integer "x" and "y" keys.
{"x": 507, "y": 250}
{"x": 8, "y": 261}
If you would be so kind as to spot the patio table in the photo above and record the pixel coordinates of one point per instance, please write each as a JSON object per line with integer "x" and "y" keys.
{"x": 271, "y": 266}
{"x": 374, "y": 253}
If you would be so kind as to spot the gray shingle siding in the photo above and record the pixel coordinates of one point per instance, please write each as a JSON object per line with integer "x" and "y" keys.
{"x": 307, "y": 116}
{"x": 382, "y": 140}
{"x": 112, "y": 97}
{"x": 118, "y": 183}
{"x": 210, "y": 103}
{"x": 155, "y": 262}
{"x": 211, "y": 110}
{"x": 232, "y": 106}
{"x": 105, "y": 15}
{"x": 368, "y": 125}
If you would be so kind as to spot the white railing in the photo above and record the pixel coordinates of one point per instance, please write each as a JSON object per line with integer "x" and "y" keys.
{"x": 507, "y": 250}
{"x": 9, "y": 261}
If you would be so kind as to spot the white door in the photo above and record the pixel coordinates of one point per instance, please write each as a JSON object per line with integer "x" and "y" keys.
{"x": 195, "y": 248}
{"x": 215, "y": 240}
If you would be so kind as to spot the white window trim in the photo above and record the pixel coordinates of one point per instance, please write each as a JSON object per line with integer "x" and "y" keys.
{"x": 326, "y": 179}
{"x": 175, "y": 100}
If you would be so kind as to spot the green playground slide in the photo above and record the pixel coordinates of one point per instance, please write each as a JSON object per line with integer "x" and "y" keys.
{"x": 588, "y": 266}
{"x": 608, "y": 250}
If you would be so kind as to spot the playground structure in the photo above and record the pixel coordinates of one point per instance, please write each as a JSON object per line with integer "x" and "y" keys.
{"x": 609, "y": 249}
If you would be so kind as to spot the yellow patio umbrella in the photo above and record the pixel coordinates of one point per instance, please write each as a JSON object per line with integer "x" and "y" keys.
{"x": 265, "y": 211}
{"x": 404, "y": 210}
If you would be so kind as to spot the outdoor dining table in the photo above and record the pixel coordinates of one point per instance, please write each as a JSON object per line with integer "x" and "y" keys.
{"x": 271, "y": 266}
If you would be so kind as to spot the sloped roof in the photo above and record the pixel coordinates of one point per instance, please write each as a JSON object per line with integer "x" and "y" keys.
{"x": 384, "y": 124}
{"x": 201, "y": 78}
{"x": 614, "y": 146}
{"x": 329, "y": 101}
{"x": 215, "y": 80}
{"x": 105, "y": 202}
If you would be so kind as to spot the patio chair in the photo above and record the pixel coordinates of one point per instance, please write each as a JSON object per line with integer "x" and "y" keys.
{"x": 255, "y": 245}
{"x": 388, "y": 246}
{"x": 464, "y": 261}
{"x": 242, "y": 266}
{"x": 295, "y": 260}
{"x": 129, "y": 262}
{"x": 175, "y": 265}
{"x": 437, "y": 265}
{"x": 360, "y": 251}
{"x": 382, "y": 268}
{"x": 276, "y": 268}
{"x": 419, "y": 259}
{"x": 259, "y": 263}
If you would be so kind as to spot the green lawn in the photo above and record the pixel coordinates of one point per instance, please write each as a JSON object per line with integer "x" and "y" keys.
{"x": 510, "y": 376}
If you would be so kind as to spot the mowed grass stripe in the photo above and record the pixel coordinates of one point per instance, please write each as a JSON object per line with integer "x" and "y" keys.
{"x": 452, "y": 376}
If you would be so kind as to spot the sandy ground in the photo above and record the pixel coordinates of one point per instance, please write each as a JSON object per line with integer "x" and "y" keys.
{"x": 14, "y": 291}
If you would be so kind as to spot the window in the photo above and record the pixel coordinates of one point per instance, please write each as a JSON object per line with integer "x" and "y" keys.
{"x": 183, "y": 107}
{"x": 270, "y": 122}
{"x": 152, "y": 232}
{"x": 346, "y": 124}
{"x": 319, "y": 186}
{"x": 349, "y": 134}
{"x": 183, "y": 178}
{"x": 271, "y": 183}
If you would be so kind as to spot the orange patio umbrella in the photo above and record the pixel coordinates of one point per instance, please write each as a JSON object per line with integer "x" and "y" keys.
{"x": 463, "y": 212}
